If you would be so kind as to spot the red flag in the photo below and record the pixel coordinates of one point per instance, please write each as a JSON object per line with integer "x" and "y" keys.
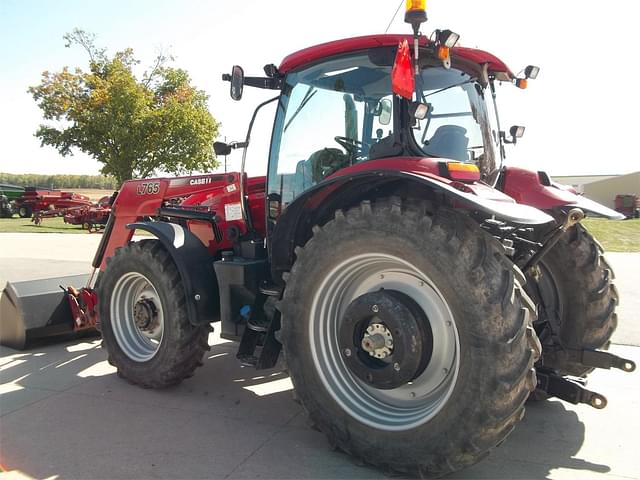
{"x": 403, "y": 82}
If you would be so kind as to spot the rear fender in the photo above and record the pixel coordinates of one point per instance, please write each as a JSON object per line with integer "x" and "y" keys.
{"x": 316, "y": 206}
{"x": 537, "y": 190}
{"x": 195, "y": 266}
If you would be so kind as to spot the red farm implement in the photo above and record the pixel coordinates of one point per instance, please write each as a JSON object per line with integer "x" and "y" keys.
{"x": 35, "y": 200}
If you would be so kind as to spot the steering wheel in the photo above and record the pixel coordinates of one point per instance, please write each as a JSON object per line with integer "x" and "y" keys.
{"x": 353, "y": 147}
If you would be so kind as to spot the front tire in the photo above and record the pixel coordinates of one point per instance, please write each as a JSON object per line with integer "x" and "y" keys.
{"x": 577, "y": 299}
{"x": 466, "y": 309}
{"x": 143, "y": 317}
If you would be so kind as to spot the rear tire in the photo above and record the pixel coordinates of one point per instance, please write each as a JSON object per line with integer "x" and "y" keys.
{"x": 577, "y": 294}
{"x": 472, "y": 295}
{"x": 143, "y": 317}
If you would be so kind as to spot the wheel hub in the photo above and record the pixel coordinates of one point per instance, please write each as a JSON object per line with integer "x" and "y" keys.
{"x": 145, "y": 315}
{"x": 377, "y": 341}
{"x": 385, "y": 339}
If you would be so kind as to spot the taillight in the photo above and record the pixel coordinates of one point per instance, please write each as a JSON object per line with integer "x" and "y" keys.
{"x": 461, "y": 171}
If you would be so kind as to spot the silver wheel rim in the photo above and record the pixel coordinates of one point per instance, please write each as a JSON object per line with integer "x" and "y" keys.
{"x": 139, "y": 344}
{"x": 411, "y": 404}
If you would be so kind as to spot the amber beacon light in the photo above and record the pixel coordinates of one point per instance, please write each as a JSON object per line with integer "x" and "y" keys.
{"x": 415, "y": 13}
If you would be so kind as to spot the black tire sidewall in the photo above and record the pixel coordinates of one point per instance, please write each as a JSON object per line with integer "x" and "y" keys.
{"x": 447, "y": 265}
{"x": 133, "y": 259}
{"x": 586, "y": 319}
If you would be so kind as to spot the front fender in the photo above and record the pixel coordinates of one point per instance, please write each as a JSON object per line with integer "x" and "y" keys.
{"x": 537, "y": 190}
{"x": 195, "y": 266}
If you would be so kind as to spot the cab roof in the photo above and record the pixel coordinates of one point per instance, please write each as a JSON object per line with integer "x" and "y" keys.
{"x": 318, "y": 52}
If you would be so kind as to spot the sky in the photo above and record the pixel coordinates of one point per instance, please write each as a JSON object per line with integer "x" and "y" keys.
{"x": 580, "y": 113}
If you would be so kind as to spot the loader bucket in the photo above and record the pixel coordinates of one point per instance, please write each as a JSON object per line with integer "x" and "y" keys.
{"x": 36, "y": 309}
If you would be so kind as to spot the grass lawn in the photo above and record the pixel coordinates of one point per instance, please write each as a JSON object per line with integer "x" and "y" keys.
{"x": 615, "y": 236}
{"x": 48, "y": 225}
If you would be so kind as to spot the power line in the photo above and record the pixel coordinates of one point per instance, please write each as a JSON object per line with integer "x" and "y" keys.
{"x": 394, "y": 16}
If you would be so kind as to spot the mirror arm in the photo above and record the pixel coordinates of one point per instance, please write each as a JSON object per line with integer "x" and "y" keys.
{"x": 270, "y": 83}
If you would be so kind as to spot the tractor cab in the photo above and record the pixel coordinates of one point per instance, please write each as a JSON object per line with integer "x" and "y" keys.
{"x": 346, "y": 105}
{"x": 342, "y": 111}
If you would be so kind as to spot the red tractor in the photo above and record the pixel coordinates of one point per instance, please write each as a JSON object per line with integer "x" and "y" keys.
{"x": 420, "y": 289}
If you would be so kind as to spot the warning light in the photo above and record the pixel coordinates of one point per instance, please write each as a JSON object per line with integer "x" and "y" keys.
{"x": 415, "y": 13}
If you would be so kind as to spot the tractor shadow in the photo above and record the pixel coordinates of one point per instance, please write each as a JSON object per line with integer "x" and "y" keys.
{"x": 549, "y": 437}
{"x": 234, "y": 421}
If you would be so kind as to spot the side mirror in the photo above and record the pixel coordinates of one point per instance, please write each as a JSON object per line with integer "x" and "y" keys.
{"x": 221, "y": 148}
{"x": 384, "y": 117}
{"x": 237, "y": 82}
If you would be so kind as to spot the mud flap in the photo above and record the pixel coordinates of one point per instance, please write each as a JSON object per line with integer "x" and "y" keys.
{"x": 36, "y": 309}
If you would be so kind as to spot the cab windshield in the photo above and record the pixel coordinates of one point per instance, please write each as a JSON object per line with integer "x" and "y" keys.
{"x": 456, "y": 125}
{"x": 341, "y": 112}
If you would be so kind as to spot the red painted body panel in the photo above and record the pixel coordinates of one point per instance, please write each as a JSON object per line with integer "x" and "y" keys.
{"x": 318, "y": 52}
{"x": 424, "y": 167}
{"x": 142, "y": 198}
{"x": 525, "y": 187}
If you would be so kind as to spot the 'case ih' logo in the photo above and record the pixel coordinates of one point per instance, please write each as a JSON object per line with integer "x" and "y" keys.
{"x": 200, "y": 181}
{"x": 150, "y": 188}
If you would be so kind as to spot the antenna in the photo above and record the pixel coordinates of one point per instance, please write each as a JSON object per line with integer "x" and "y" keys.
{"x": 394, "y": 16}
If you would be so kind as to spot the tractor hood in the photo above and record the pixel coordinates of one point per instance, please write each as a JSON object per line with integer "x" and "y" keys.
{"x": 538, "y": 190}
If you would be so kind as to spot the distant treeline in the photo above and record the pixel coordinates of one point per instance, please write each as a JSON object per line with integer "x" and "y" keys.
{"x": 59, "y": 181}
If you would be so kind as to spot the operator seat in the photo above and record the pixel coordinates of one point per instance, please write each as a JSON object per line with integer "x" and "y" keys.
{"x": 449, "y": 141}
{"x": 327, "y": 161}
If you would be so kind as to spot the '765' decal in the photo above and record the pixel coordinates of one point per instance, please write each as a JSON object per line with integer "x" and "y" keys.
{"x": 149, "y": 188}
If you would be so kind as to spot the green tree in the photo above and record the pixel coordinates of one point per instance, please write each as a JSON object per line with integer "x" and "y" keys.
{"x": 133, "y": 127}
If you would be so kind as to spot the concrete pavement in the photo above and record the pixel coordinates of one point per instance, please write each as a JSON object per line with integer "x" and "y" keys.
{"x": 64, "y": 412}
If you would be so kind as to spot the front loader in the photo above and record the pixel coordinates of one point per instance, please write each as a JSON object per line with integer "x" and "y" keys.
{"x": 421, "y": 290}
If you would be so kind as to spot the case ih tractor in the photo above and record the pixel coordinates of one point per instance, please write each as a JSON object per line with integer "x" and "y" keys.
{"x": 420, "y": 290}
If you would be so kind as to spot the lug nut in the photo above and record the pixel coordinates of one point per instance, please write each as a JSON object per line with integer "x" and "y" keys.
{"x": 396, "y": 367}
{"x": 347, "y": 352}
{"x": 375, "y": 309}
